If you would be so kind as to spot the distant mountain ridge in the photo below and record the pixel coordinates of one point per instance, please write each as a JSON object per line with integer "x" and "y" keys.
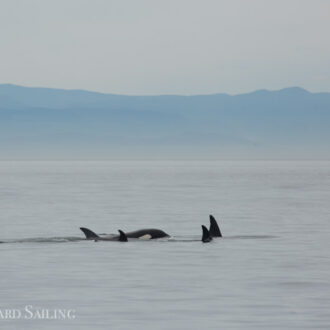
{"x": 56, "y": 123}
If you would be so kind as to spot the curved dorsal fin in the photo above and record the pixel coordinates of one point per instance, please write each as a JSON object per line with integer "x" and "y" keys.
{"x": 122, "y": 236}
{"x": 88, "y": 233}
{"x": 214, "y": 228}
{"x": 206, "y": 235}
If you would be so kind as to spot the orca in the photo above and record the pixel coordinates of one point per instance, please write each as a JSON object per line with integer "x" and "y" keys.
{"x": 146, "y": 234}
{"x": 214, "y": 231}
{"x": 206, "y": 235}
{"x": 123, "y": 237}
{"x": 214, "y": 228}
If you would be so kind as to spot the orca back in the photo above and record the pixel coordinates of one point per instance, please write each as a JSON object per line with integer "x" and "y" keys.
{"x": 154, "y": 233}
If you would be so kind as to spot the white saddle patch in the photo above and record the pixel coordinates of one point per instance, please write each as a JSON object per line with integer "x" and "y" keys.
{"x": 145, "y": 237}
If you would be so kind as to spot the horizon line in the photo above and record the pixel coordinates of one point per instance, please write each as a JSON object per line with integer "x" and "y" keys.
{"x": 155, "y": 95}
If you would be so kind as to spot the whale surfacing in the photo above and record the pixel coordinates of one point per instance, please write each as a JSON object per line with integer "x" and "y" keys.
{"x": 214, "y": 228}
{"x": 152, "y": 233}
{"x": 206, "y": 235}
{"x": 143, "y": 234}
{"x": 214, "y": 231}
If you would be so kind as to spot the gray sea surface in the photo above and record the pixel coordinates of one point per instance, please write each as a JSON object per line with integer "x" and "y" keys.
{"x": 271, "y": 270}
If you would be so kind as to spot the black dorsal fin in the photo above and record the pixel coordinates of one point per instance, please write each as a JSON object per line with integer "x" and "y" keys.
{"x": 88, "y": 233}
{"x": 214, "y": 228}
{"x": 122, "y": 236}
{"x": 206, "y": 235}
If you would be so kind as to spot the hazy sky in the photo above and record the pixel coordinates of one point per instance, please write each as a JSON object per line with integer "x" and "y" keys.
{"x": 162, "y": 47}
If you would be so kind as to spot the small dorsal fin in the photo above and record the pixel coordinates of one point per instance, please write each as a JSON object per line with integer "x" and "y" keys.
{"x": 206, "y": 235}
{"x": 214, "y": 228}
{"x": 122, "y": 236}
{"x": 88, "y": 233}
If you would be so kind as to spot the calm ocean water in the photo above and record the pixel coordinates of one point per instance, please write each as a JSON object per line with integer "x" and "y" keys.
{"x": 270, "y": 271}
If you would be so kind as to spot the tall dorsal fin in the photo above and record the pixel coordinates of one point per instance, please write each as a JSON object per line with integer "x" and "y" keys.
{"x": 88, "y": 233}
{"x": 214, "y": 228}
{"x": 122, "y": 236}
{"x": 206, "y": 235}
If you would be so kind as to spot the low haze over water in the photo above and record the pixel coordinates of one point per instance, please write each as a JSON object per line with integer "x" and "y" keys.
{"x": 271, "y": 270}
